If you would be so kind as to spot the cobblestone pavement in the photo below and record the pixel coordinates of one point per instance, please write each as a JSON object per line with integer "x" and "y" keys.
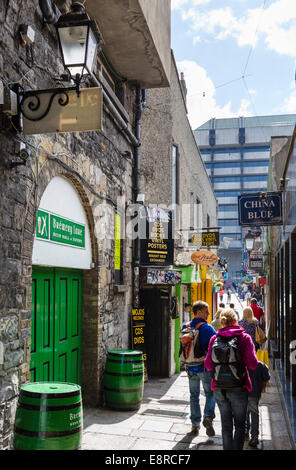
{"x": 162, "y": 422}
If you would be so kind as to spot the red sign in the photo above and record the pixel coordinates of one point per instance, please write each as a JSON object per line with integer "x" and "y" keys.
{"x": 262, "y": 281}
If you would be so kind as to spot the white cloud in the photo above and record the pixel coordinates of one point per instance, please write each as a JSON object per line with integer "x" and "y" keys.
{"x": 177, "y": 4}
{"x": 275, "y": 24}
{"x": 201, "y": 102}
{"x": 289, "y": 105}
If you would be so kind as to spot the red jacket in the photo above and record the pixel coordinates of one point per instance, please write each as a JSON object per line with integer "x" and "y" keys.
{"x": 258, "y": 312}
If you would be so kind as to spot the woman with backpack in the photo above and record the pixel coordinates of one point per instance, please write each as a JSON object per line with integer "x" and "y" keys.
{"x": 230, "y": 352}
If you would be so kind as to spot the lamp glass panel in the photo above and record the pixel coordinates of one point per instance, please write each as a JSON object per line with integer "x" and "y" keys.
{"x": 249, "y": 243}
{"x": 91, "y": 51}
{"x": 73, "y": 42}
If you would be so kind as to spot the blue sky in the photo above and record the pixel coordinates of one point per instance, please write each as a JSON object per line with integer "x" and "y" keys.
{"x": 249, "y": 43}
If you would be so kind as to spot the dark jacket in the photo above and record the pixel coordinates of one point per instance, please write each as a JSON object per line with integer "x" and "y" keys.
{"x": 258, "y": 376}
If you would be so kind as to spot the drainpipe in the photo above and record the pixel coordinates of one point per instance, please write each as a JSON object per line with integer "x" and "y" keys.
{"x": 140, "y": 104}
{"x": 110, "y": 108}
{"x": 49, "y": 11}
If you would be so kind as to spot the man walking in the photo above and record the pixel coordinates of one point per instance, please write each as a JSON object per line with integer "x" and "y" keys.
{"x": 197, "y": 374}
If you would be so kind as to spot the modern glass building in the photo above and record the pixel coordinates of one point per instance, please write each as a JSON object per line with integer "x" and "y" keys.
{"x": 236, "y": 154}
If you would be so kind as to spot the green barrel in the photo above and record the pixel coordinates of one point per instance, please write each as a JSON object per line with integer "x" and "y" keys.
{"x": 48, "y": 417}
{"x": 124, "y": 379}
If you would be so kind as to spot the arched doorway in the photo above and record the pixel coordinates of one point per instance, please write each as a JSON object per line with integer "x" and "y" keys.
{"x": 61, "y": 254}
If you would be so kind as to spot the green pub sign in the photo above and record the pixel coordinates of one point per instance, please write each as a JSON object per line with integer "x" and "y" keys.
{"x": 53, "y": 228}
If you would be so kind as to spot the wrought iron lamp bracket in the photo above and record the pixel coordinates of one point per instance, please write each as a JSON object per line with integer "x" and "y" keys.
{"x": 29, "y": 102}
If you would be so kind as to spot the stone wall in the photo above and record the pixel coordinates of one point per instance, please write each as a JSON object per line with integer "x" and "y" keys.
{"x": 165, "y": 122}
{"x": 93, "y": 163}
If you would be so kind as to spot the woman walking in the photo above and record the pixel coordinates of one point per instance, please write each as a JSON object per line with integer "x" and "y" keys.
{"x": 248, "y": 323}
{"x": 231, "y": 351}
{"x": 216, "y": 323}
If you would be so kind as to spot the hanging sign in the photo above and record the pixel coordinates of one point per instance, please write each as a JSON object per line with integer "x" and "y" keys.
{"x": 258, "y": 209}
{"x": 206, "y": 239}
{"x": 204, "y": 258}
{"x": 256, "y": 264}
{"x": 156, "y": 240}
{"x": 138, "y": 334}
{"x": 55, "y": 229}
{"x": 61, "y": 110}
{"x": 162, "y": 277}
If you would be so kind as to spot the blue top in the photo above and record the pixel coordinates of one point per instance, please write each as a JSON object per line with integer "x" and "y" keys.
{"x": 249, "y": 328}
{"x": 206, "y": 331}
{"x": 258, "y": 376}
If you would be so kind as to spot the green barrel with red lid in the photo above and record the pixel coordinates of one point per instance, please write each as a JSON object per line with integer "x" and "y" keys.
{"x": 124, "y": 379}
{"x": 48, "y": 417}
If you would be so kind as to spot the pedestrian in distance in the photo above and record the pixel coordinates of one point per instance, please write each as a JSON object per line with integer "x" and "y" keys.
{"x": 221, "y": 294}
{"x": 258, "y": 312}
{"x": 248, "y": 297}
{"x": 186, "y": 312}
{"x": 231, "y": 305}
{"x": 216, "y": 323}
{"x": 197, "y": 374}
{"x": 249, "y": 323}
{"x": 230, "y": 354}
{"x": 228, "y": 296}
{"x": 259, "y": 378}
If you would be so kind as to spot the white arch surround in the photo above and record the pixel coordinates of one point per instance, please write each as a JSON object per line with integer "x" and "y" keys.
{"x": 60, "y": 198}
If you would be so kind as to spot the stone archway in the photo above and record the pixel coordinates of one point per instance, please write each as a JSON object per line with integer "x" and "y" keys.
{"x": 91, "y": 326}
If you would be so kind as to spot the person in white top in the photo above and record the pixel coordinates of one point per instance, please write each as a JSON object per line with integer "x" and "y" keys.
{"x": 248, "y": 297}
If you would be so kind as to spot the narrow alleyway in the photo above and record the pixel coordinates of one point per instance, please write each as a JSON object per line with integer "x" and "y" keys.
{"x": 162, "y": 422}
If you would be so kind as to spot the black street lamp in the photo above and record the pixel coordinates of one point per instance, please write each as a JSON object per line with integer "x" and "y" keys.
{"x": 78, "y": 40}
{"x": 249, "y": 241}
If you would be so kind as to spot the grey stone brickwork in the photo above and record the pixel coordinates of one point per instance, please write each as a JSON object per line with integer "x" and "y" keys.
{"x": 94, "y": 165}
{"x": 165, "y": 122}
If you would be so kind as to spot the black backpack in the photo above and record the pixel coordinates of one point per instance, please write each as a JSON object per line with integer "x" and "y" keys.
{"x": 229, "y": 370}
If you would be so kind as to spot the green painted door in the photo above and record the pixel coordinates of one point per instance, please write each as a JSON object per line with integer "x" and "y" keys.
{"x": 56, "y": 325}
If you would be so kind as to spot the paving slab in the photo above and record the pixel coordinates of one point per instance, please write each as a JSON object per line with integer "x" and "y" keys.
{"x": 163, "y": 423}
{"x": 91, "y": 441}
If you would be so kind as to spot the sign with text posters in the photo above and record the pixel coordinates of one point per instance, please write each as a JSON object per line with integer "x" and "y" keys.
{"x": 138, "y": 335}
{"x": 156, "y": 237}
{"x": 206, "y": 239}
{"x": 260, "y": 209}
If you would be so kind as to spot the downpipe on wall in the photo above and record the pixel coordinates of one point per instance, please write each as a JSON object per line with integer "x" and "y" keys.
{"x": 140, "y": 104}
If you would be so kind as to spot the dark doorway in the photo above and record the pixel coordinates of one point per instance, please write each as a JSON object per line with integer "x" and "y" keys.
{"x": 156, "y": 305}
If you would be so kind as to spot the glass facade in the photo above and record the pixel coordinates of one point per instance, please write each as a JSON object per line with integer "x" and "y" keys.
{"x": 233, "y": 173}
{"x": 236, "y": 154}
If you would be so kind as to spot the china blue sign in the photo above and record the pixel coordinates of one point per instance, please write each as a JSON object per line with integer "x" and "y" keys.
{"x": 260, "y": 209}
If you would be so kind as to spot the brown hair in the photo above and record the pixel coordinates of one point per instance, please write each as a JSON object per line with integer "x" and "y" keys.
{"x": 198, "y": 306}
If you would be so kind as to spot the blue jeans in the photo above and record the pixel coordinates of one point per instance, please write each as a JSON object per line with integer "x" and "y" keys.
{"x": 232, "y": 404}
{"x": 252, "y": 422}
{"x": 194, "y": 386}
